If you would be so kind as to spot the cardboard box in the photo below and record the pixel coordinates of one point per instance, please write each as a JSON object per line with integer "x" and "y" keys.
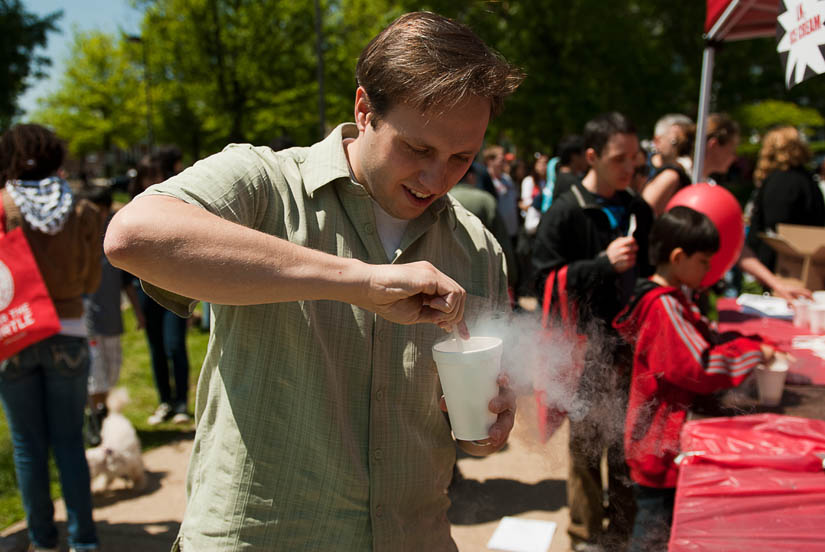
{"x": 800, "y": 253}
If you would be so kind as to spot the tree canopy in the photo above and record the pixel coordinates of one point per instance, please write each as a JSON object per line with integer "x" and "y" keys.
{"x": 208, "y": 72}
{"x": 20, "y": 34}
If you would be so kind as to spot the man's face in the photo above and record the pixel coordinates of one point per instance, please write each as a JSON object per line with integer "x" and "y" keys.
{"x": 615, "y": 166}
{"x": 410, "y": 159}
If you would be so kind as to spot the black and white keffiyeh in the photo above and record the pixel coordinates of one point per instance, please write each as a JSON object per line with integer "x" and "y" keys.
{"x": 45, "y": 204}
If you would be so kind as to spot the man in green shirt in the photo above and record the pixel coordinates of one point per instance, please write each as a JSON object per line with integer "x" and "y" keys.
{"x": 329, "y": 270}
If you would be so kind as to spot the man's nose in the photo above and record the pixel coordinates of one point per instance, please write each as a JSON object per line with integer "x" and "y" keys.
{"x": 432, "y": 176}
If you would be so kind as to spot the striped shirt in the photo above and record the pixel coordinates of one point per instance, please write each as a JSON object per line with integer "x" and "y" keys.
{"x": 318, "y": 425}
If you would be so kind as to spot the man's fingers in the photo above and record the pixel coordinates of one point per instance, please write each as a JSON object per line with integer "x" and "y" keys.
{"x": 505, "y": 406}
{"x": 500, "y": 430}
{"x": 448, "y": 303}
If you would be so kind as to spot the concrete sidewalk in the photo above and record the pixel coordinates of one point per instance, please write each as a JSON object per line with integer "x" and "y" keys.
{"x": 526, "y": 480}
{"x": 127, "y": 520}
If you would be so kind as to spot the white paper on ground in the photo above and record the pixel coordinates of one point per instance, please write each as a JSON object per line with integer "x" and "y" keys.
{"x": 522, "y": 535}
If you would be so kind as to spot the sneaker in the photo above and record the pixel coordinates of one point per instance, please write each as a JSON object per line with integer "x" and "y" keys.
{"x": 162, "y": 413}
{"x": 181, "y": 415}
{"x": 91, "y": 428}
{"x": 93, "y": 549}
{"x": 33, "y": 548}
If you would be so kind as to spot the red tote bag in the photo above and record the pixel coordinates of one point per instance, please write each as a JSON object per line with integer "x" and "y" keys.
{"x": 27, "y": 314}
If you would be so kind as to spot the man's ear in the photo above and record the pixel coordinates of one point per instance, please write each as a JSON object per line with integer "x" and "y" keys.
{"x": 363, "y": 109}
{"x": 590, "y": 156}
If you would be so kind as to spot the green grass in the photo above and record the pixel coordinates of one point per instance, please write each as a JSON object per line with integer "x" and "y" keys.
{"x": 136, "y": 376}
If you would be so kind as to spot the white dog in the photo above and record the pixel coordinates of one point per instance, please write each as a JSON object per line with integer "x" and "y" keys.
{"x": 118, "y": 455}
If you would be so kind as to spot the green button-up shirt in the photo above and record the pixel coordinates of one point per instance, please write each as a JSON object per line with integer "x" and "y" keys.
{"x": 318, "y": 425}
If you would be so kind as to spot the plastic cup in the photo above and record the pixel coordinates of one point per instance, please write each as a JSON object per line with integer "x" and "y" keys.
{"x": 801, "y": 313}
{"x": 816, "y": 318}
{"x": 770, "y": 381}
{"x": 468, "y": 376}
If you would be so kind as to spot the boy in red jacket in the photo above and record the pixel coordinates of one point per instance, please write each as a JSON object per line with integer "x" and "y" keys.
{"x": 677, "y": 356}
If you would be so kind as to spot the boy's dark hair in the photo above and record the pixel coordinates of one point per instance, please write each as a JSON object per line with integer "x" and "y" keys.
{"x": 568, "y": 147}
{"x": 682, "y": 227}
{"x": 29, "y": 152}
{"x": 423, "y": 59}
{"x": 598, "y": 131}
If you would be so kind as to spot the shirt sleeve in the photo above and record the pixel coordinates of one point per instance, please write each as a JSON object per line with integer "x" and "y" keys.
{"x": 236, "y": 184}
{"x": 687, "y": 359}
{"x": 527, "y": 186}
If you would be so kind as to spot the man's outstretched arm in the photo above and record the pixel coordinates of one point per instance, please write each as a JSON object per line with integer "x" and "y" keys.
{"x": 187, "y": 250}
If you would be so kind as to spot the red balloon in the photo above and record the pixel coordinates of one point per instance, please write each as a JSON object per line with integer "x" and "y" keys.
{"x": 722, "y": 208}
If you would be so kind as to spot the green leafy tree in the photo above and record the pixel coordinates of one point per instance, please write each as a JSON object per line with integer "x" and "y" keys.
{"x": 641, "y": 57}
{"x": 232, "y": 71}
{"x": 245, "y": 70}
{"x": 20, "y": 34}
{"x": 761, "y": 116}
{"x": 99, "y": 104}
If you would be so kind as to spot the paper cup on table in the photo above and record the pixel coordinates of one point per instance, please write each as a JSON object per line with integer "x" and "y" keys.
{"x": 801, "y": 313}
{"x": 468, "y": 373}
{"x": 816, "y": 318}
{"x": 770, "y": 381}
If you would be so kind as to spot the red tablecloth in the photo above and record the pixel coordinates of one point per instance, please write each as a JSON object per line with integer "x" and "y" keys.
{"x": 781, "y": 332}
{"x": 758, "y": 487}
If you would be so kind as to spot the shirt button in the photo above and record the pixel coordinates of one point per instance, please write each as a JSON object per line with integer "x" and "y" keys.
{"x": 379, "y": 395}
{"x": 369, "y": 228}
{"x": 378, "y": 454}
{"x": 379, "y": 512}
{"x": 382, "y": 335}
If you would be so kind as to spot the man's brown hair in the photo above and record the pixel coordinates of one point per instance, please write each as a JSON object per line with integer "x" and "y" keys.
{"x": 423, "y": 59}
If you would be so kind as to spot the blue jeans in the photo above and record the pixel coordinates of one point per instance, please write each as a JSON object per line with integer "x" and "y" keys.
{"x": 43, "y": 390}
{"x": 654, "y": 516}
{"x": 166, "y": 334}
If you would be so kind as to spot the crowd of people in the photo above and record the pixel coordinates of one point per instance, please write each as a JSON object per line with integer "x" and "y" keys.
{"x": 331, "y": 271}
{"x": 54, "y": 392}
{"x": 629, "y": 269}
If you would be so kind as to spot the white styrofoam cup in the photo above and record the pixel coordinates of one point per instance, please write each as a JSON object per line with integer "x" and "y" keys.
{"x": 770, "y": 380}
{"x": 468, "y": 373}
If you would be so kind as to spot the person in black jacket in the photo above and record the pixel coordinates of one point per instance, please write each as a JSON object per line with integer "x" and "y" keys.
{"x": 786, "y": 190}
{"x": 598, "y": 230}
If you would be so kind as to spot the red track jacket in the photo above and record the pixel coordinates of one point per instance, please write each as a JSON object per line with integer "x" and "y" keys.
{"x": 676, "y": 356}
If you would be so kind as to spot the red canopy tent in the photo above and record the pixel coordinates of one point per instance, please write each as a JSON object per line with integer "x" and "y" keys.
{"x": 727, "y": 20}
